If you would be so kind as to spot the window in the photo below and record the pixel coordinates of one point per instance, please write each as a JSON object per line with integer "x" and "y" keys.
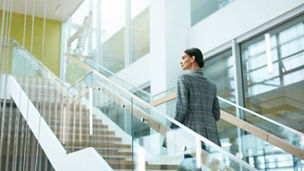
{"x": 220, "y": 70}
{"x": 201, "y": 9}
{"x": 275, "y": 88}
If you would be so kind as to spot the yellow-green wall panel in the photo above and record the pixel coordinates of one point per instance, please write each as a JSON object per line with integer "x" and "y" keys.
{"x": 52, "y": 38}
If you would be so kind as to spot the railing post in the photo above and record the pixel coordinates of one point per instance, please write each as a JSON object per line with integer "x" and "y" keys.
{"x": 198, "y": 153}
{"x": 64, "y": 120}
{"x": 140, "y": 161}
{"x": 91, "y": 110}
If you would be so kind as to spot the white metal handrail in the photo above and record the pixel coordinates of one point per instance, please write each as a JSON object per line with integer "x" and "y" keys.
{"x": 147, "y": 106}
{"x": 261, "y": 116}
{"x": 244, "y": 109}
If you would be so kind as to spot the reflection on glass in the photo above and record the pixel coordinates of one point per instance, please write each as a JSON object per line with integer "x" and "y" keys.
{"x": 202, "y": 9}
{"x": 73, "y": 71}
{"x": 140, "y": 29}
{"x": 78, "y": 28}
{"x": 219, "y": 69}
{"x": 97, "y": 32}
{"x": 178, "y": 143}
{"x": 277, "y": 94}
{"x": 112, "y": 34}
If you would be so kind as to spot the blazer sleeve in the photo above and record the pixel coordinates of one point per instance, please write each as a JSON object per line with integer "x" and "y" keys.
{"x": 216, "y": 108}
{"x": 181, "y": 100}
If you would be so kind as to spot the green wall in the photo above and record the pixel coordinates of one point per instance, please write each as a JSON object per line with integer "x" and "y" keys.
{"x": 52, "y": 38}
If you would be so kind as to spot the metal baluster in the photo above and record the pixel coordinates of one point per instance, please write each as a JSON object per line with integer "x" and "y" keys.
{"x": 56, "y": 111}
{"x": 73, "y": 124}
{"x": 22, "y": 144}
{"x": 81, "y": 129}
{"x": 17, "y": 115}
{"x": 32, "y": 152}
{"x": 9, "y": 134}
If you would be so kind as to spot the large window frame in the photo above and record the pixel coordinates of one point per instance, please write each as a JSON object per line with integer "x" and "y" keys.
{"x": 123, "y": 36}
{"x": 283, "y": 22}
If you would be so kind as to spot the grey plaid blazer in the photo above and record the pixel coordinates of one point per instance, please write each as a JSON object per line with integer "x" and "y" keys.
{"x": 197, "y": 106}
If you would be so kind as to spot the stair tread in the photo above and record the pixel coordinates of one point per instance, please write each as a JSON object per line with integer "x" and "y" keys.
{"x": 99, "y": 144}
{"x": 127, "y": 164}
{"x": 77, "y": 125}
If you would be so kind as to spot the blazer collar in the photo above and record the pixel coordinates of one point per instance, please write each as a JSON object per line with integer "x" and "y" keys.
{"x": 198, "y": 71}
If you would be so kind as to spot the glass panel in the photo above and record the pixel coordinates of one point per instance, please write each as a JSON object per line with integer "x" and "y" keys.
{"x": 178, "y": 149}
{"x": 113, "y": 34}
{"x": 107, "y": 117}
{"x": 42, "y": 87}
{"x": 220, "y": 70}
{"x": 140, "y": 28}
{"x": 164, "y": 93}
{"x": 89, "y": 34}
{"x": 228, "y": 133}
{"x": 67, "y": 114}
{"x": 249, "y": 146}
{"x": 73, "y": 71}
{"x": 79, "y": 36}
{"x": 202, "y": 9}
{"x": 81, "y": 85}
{"x": 276, "y": 94}
{"x": 74, "y": 68}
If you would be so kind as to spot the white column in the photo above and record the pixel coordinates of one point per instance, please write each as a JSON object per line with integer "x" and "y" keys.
{"x": 90, "y": 29}
{"x": 128, "y": 34}
{"x": 169, "y": 26}
{"x": 98, "y": 57}
{"x": 63, "y": 50}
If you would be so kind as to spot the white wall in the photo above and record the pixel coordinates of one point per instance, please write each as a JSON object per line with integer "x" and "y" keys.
{"x": 169, "y": 26}
{"x": 137, "y": 73}
{"x": 236, "y": 19}
{"x": 170, "y": 35}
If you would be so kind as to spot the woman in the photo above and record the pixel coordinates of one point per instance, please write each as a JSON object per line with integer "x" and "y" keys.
{"x": 197, "y": 106}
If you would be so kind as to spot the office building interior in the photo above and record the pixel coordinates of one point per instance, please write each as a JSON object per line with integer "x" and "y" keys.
{"x": 91, "y": 84}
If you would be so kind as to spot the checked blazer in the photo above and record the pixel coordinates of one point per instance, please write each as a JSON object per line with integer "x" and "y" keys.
{"x": 197, "y": 105}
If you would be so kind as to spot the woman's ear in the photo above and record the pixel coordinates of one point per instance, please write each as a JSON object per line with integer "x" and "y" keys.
{"x": 192, "y": 59}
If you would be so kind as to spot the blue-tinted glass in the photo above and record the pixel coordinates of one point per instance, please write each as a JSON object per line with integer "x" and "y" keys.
{"x": 219, "y": 69}
{"x": 276, "y": 93}
{"x": 201, "y": 9}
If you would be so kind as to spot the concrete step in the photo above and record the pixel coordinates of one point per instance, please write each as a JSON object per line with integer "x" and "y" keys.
{"x": 78, "y": 125}
{"x": 68, "y": 117}
{"x": 59, "y": 106}
{"x": 99, "y": 146}
{"x": 99, "y": 138}
{"x": 70, "y": 132}
{"x": 127, "y": 164}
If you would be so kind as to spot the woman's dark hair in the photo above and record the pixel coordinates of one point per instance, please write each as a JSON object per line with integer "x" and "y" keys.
{"x": 198, "y": 56}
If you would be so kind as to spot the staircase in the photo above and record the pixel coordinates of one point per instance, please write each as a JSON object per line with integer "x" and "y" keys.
{"x": 70, "y": 122}
{"x": 254, "y": 127}
{"x": 80, "y": 117}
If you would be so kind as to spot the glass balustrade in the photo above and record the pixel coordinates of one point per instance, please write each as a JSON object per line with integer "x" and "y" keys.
{"x": 260, "y": 141}
{"x": 96, "y": 112}
{"x": 75, "y": 62}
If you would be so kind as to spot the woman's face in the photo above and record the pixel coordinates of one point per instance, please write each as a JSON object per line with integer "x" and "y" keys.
{"x": 186, "y": 62}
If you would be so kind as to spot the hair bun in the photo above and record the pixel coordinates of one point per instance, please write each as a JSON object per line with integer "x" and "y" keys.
{"x": 198, "y": 56}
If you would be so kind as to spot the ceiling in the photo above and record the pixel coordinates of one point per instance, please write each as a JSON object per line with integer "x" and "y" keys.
{"x": 56, "y": 9}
